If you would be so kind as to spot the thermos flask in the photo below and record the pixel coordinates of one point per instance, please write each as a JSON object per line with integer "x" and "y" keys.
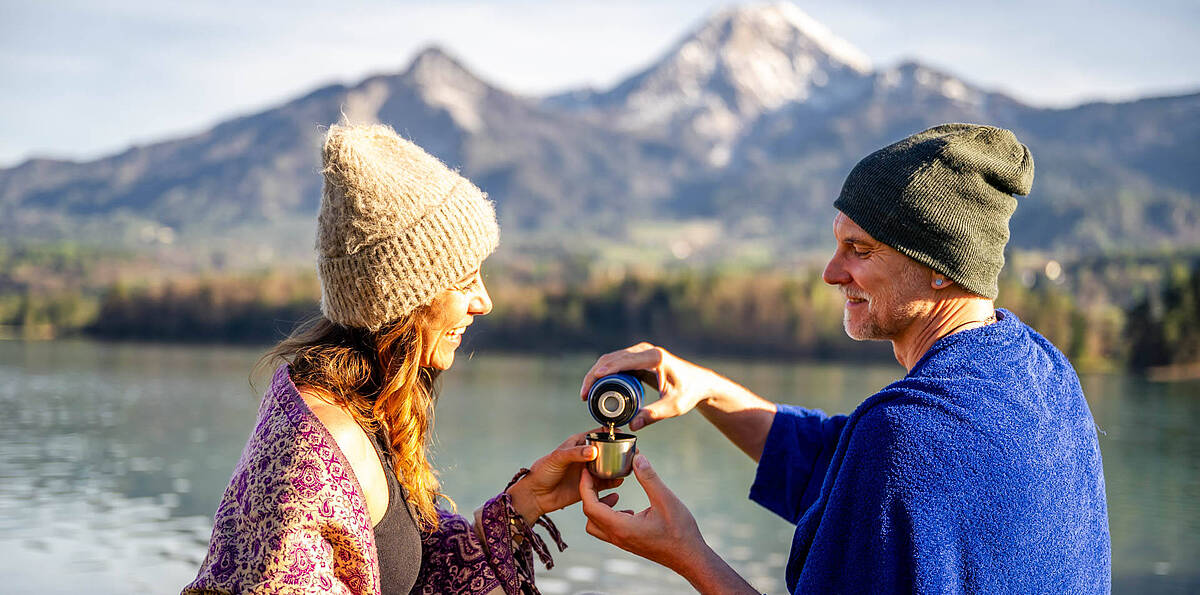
{"x": 613, "y": 401}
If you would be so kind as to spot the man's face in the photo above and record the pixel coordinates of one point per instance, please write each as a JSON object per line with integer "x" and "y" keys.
{"x": 884, "y": 289}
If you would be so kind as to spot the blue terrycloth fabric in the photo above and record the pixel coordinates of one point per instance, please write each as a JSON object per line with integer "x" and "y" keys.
{"x": 978, "y": 472}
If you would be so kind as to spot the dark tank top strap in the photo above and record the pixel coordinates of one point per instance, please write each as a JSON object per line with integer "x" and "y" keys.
{"x": 396, "y": 493}
{"x": 397, "y": 538}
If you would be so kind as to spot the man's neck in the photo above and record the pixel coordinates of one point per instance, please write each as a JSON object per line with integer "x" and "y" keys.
{"x": 943, "y": 318}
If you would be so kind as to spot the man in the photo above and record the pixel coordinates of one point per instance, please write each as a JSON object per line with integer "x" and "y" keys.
{"x": 978, "y": 472}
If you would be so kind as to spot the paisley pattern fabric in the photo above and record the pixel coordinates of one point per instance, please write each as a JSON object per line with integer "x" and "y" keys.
{"x": 294, "y": 520}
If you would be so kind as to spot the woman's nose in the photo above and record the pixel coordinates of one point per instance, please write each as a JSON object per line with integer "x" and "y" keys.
{"x": 481, "y": 302}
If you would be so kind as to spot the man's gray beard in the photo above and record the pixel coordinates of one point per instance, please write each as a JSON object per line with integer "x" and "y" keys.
{"x": 872, "y": 332}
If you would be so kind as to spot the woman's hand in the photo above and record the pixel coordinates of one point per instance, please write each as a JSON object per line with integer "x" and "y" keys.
{"x": 553, "y": 480}
{"x": 681, "y": 384}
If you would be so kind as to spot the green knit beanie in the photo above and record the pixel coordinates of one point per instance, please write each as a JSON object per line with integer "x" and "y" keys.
{"x": 943, "y": 197}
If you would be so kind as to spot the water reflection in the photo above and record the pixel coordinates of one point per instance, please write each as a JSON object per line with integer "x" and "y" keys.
{"x": 113, "y": 457}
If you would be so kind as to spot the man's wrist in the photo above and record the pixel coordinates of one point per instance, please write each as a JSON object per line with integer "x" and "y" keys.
{"x": 697, "y": 563}
{"x": 693, "y": 563}
{"x": 709, "y": 573}
{"x": 719, "y": 390}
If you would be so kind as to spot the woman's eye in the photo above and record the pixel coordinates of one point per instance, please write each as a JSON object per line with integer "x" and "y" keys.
{"x": 468, "y": 285}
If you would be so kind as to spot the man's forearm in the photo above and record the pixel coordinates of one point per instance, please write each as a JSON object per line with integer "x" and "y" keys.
{"x": 710, "y": 574}
{"x": 744, "y": 417}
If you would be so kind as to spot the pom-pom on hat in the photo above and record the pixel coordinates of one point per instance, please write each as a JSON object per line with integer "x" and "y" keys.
{"x": 943, "y": 197}
{"x": 396, "y": 227}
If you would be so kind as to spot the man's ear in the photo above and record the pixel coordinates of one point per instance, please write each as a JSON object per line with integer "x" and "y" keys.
{"x": 940, "y": 281}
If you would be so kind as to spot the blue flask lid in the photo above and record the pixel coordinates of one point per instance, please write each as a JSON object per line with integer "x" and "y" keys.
{"x": 615, "y": 399}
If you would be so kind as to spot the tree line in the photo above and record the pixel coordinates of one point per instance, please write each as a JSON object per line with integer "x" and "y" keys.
{"x": 1139, "y": 311}
{"x": 752, "y": 314}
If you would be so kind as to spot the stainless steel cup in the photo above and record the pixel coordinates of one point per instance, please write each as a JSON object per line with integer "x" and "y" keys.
{"x": 614, "y": 456}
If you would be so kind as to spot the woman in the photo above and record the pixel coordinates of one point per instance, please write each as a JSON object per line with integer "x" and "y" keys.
{"x": 334, "y": 491}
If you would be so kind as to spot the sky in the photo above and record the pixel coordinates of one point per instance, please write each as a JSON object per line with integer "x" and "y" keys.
{"x": 80, "y": 80}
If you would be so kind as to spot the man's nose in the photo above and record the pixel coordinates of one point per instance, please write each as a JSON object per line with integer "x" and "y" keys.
{"x": 835, "y": 273}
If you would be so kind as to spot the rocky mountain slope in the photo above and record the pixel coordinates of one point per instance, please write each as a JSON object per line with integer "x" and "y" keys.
{"x": 748, "y": 124}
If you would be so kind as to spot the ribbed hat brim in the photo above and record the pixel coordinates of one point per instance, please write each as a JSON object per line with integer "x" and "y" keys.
{"x": 391, "y": 278}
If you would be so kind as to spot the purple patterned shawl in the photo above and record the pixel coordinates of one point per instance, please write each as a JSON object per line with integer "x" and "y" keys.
{"x": 294, "y": 520}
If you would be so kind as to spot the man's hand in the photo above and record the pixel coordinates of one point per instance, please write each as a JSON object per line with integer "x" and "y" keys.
{"x": 681, "y": 384}
{"x": 665, "y": 533}
{"x": 744, "y": 417}
{"x": 553, "y": 481}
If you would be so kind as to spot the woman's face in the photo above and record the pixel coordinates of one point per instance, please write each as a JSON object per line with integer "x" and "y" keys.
{"x": 449, "y": 316}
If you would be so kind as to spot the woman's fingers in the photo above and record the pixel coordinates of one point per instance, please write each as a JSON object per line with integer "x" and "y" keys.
{"x": 564, "y": 457}
{"x": 610, "y": 500}
{"x": 583, "y": 454}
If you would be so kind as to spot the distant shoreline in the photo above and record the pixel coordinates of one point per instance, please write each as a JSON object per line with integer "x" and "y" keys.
{"x": 1174, "y": 372}
{"x": 1105, "y": 315}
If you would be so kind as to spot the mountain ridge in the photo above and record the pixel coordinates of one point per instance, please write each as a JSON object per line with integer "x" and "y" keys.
{"x": 760, "y": 156}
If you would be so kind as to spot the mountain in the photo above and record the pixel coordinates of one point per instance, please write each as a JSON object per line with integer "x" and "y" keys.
{"x": 742, "y": 63}
{"x": 1114, "y": 175}
{"x": 789, "y": 163}
{"x": 739, "y": 135}
{"x": 1109, "y": 176}
{"x": 540, "y": 166}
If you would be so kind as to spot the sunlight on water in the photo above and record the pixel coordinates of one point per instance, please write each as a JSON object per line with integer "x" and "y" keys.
{"x": 113, "y": 457}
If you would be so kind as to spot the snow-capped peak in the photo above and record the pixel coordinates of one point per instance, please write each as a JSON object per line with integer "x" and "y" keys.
{"x": 787, "y": 14}
{"x": 748, "y": 58}
{"x": 739, "y": 64}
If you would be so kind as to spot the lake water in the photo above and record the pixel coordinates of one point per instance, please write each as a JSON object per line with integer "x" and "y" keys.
{"x": 113, "y": 458}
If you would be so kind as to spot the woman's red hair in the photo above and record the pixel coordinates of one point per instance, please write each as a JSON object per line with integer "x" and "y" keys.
{"x": 375, "y": 377}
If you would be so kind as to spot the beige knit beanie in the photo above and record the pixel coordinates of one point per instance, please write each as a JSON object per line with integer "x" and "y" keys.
{"x": 396, "y": 227}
